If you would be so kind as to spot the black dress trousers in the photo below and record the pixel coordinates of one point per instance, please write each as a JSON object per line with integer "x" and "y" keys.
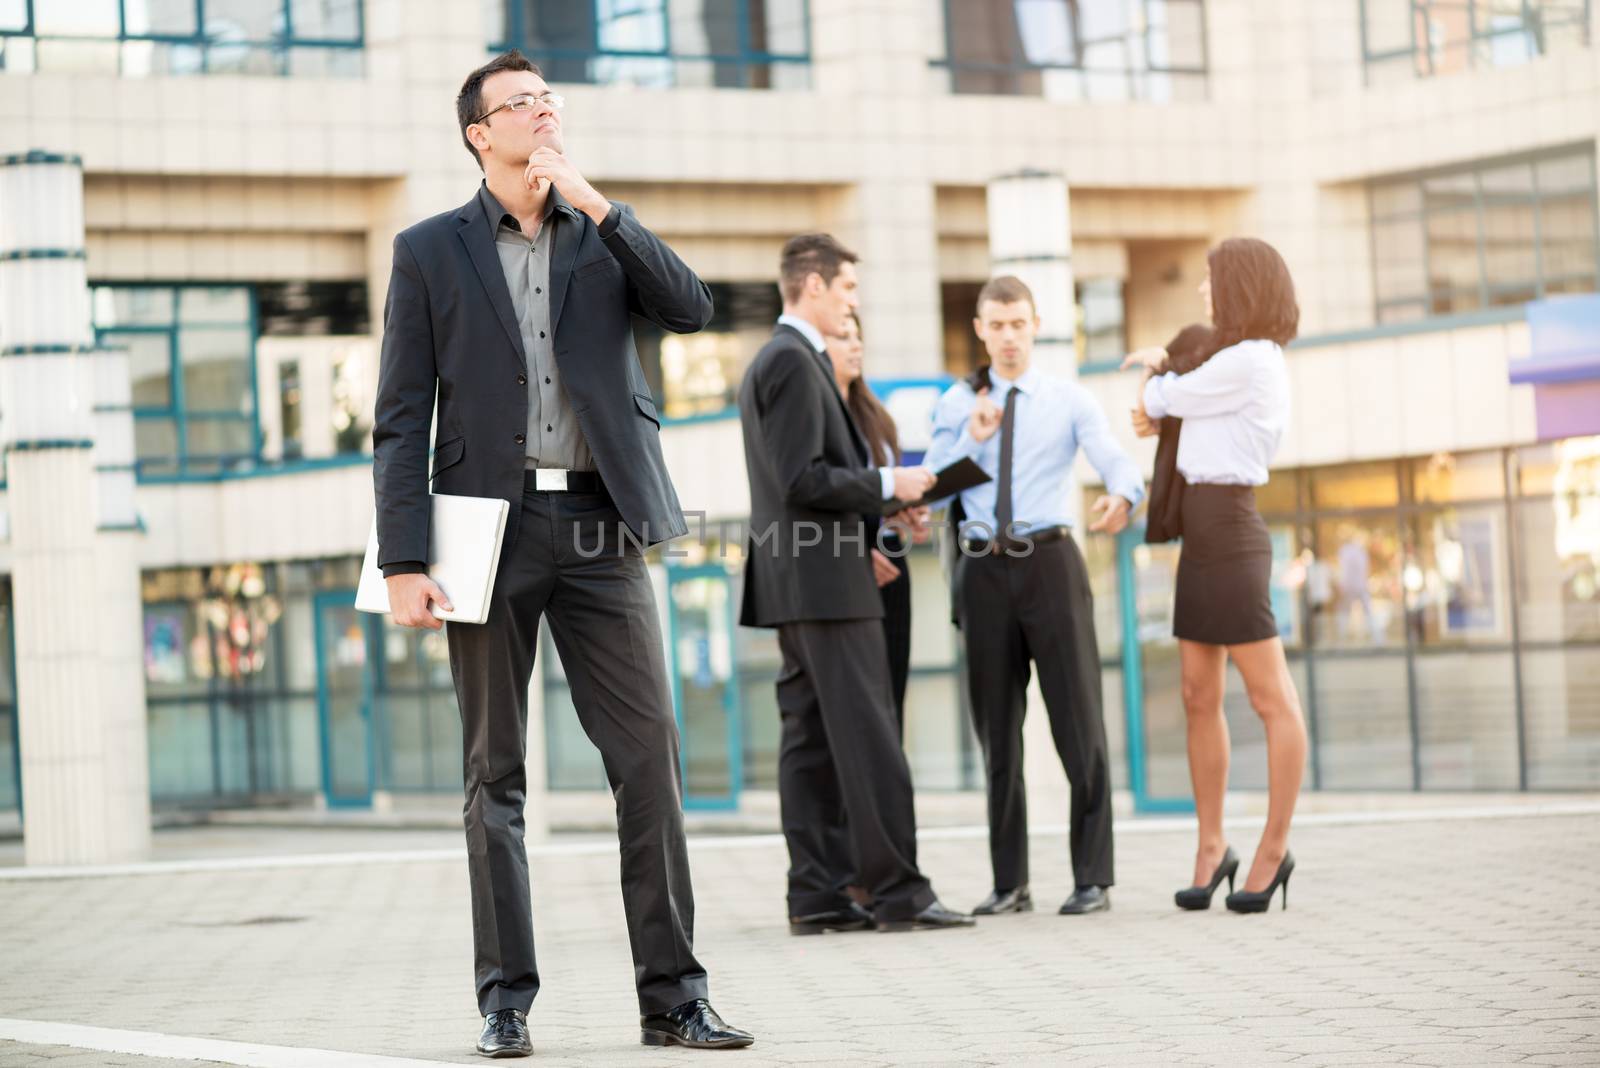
{"x": 844, "y": 786}
{"x": 1039, "y": 608}
{"x": 602, "y": 614}
{"x": 897, "y": 626}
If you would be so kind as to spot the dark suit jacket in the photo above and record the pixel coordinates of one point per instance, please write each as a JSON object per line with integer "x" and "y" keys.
{"x": 1191, "y": 348}
{"x": 449, "y": 323}
{"x": 807, "y": 464}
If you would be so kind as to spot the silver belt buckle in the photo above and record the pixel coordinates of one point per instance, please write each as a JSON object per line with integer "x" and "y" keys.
{"x": 547, "y": 479}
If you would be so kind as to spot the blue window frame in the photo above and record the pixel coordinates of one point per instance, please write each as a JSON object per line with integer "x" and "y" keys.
{"x": 1072, "y": 50}
{"x": 192, "y": 357}
{"x": 137, "y": 39}
{"x": 1405, "y": 39}
{"x": 728, "y": 44}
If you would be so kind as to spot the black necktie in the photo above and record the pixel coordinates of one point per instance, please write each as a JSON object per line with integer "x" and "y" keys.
{"x": 1008, "y": 426}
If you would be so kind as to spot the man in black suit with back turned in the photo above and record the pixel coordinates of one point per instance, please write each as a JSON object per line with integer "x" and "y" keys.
{"x": 843, "y": 780}
{"x": 515, "y": 308}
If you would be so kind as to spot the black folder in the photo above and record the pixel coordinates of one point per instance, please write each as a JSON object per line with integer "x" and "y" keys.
{"x": 959, "y": 476}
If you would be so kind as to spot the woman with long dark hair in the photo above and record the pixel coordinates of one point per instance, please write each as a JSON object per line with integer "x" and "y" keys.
{"x": 890, "y": 567}
{"x": 1234, "y": 407}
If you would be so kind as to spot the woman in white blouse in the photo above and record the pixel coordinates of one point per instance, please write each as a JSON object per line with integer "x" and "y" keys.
{"x": 1234, "y": 409}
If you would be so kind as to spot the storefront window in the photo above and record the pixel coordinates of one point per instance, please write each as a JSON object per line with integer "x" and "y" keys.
{"x": 1457, "y": 576}
{"x": 1558, "y": 538}
{"x": 1355, "y": 583}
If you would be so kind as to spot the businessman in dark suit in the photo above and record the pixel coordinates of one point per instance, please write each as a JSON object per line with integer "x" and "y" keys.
{"x": 515, "y": 309}
{"x": 843, "y": 780}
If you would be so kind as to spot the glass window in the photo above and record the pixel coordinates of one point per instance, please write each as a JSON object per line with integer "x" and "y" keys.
{"x": 754, "y": 44}
{"x": 244, "y": 20}
{"x": 216, "y": 368}
{"x": 139, "y": 38}
{"x": 77, "y": 18}
{"x": 1558, "y": 541}
{"x": 1101, "y": 328}
{"x": 1399, "y": 258}
{"x": 13, "y": 15}
{"x": 1423, "y": 38}
{"x": 1071, "y": 50}
{"x": 203, "y": 333}
{"x": 1354, "y": 486}
{"x": 149, "y": 365}
{"x": 1456, "y": 577}
{"x": 332, "y": 20}
{"x": 1354, "y": 583}
{"x": 1561, "y": 709}
{"x": 213, "y": 305}
{"x": 1280, "y": 496}
{"x": 230, "y": 439}
{"x": 132, "y": 306}
{"x": 1467, "y": 721}
{"x": 160, "y": 17}
{"x": 1363, "y": 722}
{"x": 313, "y": 309}
{"x": 155, "y": 443}
{"x": 1448, "y": 477}
{"x": 1490, "y": 234}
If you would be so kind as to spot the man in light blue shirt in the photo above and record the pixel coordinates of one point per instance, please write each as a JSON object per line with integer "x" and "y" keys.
{"x": 1022, "y": 589}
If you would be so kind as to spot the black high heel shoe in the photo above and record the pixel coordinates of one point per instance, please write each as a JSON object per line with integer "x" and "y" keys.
{"x": 1258, "y": 900}
{"x": 1196, "y": 898}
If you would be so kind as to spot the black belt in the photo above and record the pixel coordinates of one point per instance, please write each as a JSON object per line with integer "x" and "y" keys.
{"x": 547, "y": 481}
{"x": 995, "y": 546}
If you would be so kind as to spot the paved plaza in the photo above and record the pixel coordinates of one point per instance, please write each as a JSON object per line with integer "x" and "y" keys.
{"x": 1458, "y": 938}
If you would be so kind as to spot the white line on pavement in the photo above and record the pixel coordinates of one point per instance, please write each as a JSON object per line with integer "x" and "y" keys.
{"x": 178, "y": 1047}
{"x": 716, "y": 843}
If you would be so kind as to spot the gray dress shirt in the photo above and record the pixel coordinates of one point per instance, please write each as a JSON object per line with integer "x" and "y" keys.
{"x": 554, "y": 439}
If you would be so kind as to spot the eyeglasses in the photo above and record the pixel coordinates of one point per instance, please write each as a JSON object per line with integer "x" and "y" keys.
{"x": 527, "y": 102}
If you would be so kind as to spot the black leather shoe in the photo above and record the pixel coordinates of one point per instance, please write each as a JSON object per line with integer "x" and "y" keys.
{"x": 1087, "y": 899}
{"x": 694, "y": 1024}
{"x": 933, "y": 918}
{"x": 1018, "y": 900}
{"x": 505, "y": 1034}
{"x": 851, "y": 917}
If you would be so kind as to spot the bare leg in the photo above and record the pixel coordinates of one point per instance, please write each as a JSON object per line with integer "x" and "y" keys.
{"x": 1273, "y": 696}
{"x": 1203, "y": 668}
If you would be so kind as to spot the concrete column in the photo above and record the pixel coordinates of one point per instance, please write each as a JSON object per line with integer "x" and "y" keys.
{"x": 1030, "y": 236}
{"x": 871, "y": 77}
{"x": 891, "y": 225}
{"x": 80, "y": 689}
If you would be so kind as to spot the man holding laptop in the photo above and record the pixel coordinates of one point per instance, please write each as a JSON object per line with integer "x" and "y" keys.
{"x": 515, "y": 309}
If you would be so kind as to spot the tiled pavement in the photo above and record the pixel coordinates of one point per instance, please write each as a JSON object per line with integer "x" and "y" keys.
{"x": 1431, "y": 942}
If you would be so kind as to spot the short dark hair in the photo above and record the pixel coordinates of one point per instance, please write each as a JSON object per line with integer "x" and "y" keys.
{"x": 469, "y": 102}
{"x": 809, "y": 254}
{"x": 1252, "y": 295}
{"x": 1004, "y": 289}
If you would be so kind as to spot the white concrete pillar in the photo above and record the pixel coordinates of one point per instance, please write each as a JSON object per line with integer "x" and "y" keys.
{"x": 1030, "y": 236}
{"x": 80, "y": 690}
{"x": 870, "y": 73}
